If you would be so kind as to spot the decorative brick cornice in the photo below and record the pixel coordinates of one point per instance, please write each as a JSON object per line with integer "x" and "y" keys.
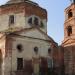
{"x": 68, "y": 42}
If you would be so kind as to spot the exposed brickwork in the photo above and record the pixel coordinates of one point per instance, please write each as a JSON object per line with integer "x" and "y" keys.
{"x": 37, "y": 11}
{"x": 24, "y": 8}
{"x": 6, "y": 9}
{"x": 69, "y": 42}
{"x": 28, "y": 42}
{"x": 8, "y": 45}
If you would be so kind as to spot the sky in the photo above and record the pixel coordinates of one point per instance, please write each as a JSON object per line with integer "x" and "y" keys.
{"x": 56, "y": 17}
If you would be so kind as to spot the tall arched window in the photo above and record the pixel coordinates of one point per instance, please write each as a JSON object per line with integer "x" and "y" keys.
{"x": 69, "y": 30}
{"x": 70, "y": 14}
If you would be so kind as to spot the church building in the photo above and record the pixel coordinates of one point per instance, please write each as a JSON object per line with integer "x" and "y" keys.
{"x": 25, "y": 47}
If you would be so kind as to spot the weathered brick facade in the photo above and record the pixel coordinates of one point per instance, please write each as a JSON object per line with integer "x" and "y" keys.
{"x": 69, "y": 40}
{"x": 26, "y": 49}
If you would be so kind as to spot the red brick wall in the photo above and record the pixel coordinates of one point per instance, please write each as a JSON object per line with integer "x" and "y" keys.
{"x": 28, "y": 9}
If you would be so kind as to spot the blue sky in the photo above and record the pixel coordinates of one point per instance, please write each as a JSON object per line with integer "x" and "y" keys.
{"x": 55, "y": 9}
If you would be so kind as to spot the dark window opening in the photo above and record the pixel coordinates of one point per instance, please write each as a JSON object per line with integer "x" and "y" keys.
{"x": 19, "y": 47}
{"x": 19, "y": 63}
{"x": 49, "y": 50}
{"x": 30, "y": 21}
{"x": 36, "y": 22}
{"x": 69, "y": 30}
{"x": 70, "y": 14}
{"x": 36, "y": 50}
{"x": 11, "y": 19}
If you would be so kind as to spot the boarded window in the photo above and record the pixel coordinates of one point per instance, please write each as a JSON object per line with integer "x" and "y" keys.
{"x": 19, "y": 63}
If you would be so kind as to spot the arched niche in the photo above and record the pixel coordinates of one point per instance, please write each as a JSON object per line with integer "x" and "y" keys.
{"x": 70, "y": 13}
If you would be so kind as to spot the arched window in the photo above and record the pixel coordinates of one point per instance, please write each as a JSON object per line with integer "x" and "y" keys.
{"x": 69, "y": 30}
{"x": 70, "y": 14}
{"x": 35, "y": 21}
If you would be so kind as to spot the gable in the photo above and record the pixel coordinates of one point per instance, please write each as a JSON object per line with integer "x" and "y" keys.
{"x": 34, "y": 33}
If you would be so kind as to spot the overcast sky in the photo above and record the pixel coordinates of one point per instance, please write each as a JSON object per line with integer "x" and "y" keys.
{"x": 55, "y": 9}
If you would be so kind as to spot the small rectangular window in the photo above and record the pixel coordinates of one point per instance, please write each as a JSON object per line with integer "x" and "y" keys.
{"x": 11, "y": 19}
{"x": 19, "y": 63}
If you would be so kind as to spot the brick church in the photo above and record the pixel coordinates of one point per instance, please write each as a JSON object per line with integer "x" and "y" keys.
{"x": 25, "y": 47}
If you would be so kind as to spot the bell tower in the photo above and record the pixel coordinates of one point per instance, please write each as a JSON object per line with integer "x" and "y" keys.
{"x": 69, "y": 39}
{"x": 69, "y": 24}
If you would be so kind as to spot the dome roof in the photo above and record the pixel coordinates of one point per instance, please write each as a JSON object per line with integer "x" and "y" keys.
{"x": 15, "y": 1}
{"x": 19, "y": 1}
